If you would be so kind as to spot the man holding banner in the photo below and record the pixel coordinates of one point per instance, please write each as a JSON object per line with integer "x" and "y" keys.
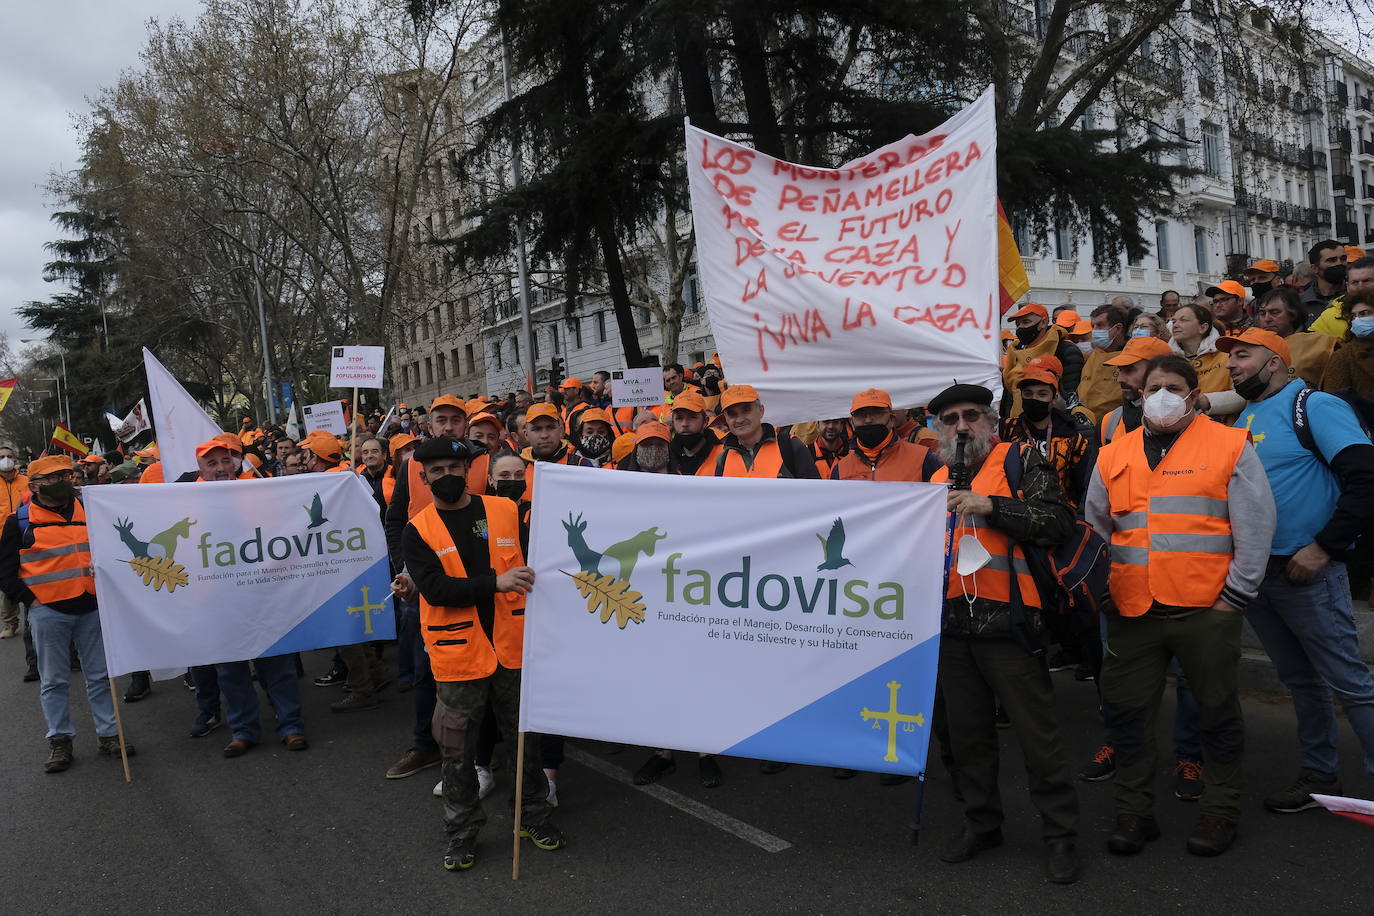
{"x": 464, "y": 556}
{"x": 990, "y": 646}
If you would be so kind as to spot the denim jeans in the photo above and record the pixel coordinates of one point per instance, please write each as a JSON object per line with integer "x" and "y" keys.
{"x": 1308, "y": 629}
{"x": 425, "y": 697}
{"x": 54, "y": 634}
{"x": 207, "y": 692}
{"x": 407, "y": 638}
{"x": 278, "y": 677}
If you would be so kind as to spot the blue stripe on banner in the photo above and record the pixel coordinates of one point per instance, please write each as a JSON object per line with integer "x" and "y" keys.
{"x": 361, "y": 606}
{"x": 867, "y": 724}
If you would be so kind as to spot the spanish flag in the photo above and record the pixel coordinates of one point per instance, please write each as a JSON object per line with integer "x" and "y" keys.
{"x": 69, "y": 441}
{"x": 6, "y": 389}
{"x": 1011, "y": 270}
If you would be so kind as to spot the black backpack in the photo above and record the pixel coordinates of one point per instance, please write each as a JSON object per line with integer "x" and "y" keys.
{"x": 1364, "y": 412}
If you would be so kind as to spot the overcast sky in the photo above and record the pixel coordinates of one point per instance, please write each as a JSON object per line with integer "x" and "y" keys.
{"x": 54, "y": 54}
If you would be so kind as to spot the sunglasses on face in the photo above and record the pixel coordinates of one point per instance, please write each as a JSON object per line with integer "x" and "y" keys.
{"x": 954, "y": 416}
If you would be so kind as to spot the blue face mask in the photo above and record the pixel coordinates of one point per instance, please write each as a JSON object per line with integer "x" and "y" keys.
{"x": 1102, "y": 339}
{"x": 1142, "y": 332}
{"x": 1363, "y": 326}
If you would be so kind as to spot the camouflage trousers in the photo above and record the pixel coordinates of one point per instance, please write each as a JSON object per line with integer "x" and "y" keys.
{"x": 457, "y": 720}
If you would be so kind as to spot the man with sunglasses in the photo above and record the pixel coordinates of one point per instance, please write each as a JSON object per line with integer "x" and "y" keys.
{"x": 991, "y": 632}
{"x": 45, "y": 562}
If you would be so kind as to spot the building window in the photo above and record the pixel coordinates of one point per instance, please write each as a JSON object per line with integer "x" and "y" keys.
{"x": 691, "y": 291}
{"x": 1200, "y": 250}
{"x": 1211, "y": 149}
{"x": 1162, "y": 246}
{"x": 534, "y": 342}
{"x": 443, "y": 370}
{"x": 496, "y": 356}
{"x": 577, "y": 333}
{"x": 456, "y": 358}
{"x": 600, "y": 327}
{"x": 1063, "y": 242}
{"x": 429, "y": 371}
{"x": 471, "y": 361}
{"x": 515, "y": 348}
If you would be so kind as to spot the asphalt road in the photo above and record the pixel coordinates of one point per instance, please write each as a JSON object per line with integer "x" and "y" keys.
{"x": 323, "y": 832}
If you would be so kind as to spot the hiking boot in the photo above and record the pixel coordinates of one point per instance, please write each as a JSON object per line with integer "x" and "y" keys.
{"x": 460, "y": 855}
{"x": 969, "y": 844}
{"x": 655, "y": 767}
{"x": 485, "y": 783}
{"x": 708, "y": 771}
{"x": 331, "y": 678}
{"x": 1064, "y": 660}
{"x": 1298, "y": 796}
{"x": 356, "y": 701}
{"x": 1188, "y": 780}
{"x": 59, "y": 754}
{"x": 1212, "y": 836}
{"x": 1102, "y": 766}
{"x": 204, "y": 725}
{"x": 415, "y": 760}
{"x": 31, "y": 675}
{"x": 545, "y": 836}
{"x": 1062, "y": 865}
{"x": 1132, "y": 832}
{"x": 109, "y": 746}
{"x": 295, "y": 742}
{"x": 140, "y": 685}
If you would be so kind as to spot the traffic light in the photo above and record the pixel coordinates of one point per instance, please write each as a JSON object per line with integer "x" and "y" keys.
{"x": 556, "y": 371}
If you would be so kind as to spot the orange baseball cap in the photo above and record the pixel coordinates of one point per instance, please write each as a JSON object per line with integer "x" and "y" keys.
{"x": 1068, "y": 319}
{"x": 1007, "y": 335}
{"x": 476, "y": 405}
{"x": 485, "y": 417}
{"x": 1139, "y": 349}
{"x": 149, "y": 452}
{"x": 542, "y": 410}
{"x": 1353, "y": 252}
{"x": 689, "y": 400}
{"x": 1050, "y": 364}
{"x": 871, "y": 397}
{"x": 570, "y": 383}
{"x": 92, "y": 459}
{"x": 1227, "y": 287}
{"x": 1263, "y": 266}
{"x": 209, "y": 445}
{"x": 622, "y": 446}
{"x": 653, "y": 430}
{"x": 1030, "y": 308}
{"x": 50, "y": 465}
{"x": 448, "y": 400}
{"x": 738, "y": 394}
{"x": 1039, "y": 376}
{"x": 594, "y": 413}
{"x": 231, "y": 442}
{"x": 1260, "y": 338}
{"x": 1083, "y": 327}
{"x": 325, "y": 446}
{"x": 400, "y": 441}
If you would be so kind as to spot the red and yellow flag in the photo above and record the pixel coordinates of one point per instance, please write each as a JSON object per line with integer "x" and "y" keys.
{"x": 6, "y": 389}
{"x": 1010, "y": 268}
{"x": 69, "y": 441}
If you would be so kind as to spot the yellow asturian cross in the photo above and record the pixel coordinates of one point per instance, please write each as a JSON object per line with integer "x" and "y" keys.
{"x": 367, "y": 610}
{"x": 893, "y": 717}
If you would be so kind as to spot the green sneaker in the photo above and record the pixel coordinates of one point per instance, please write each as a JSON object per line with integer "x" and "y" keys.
{"x": 460, "y": 855}
{"x": 109, "y": 747}
{"x": 545, "y": 836}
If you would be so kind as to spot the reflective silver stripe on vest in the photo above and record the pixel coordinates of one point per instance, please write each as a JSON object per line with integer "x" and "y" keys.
{"x": 1190, "y": 505}
{"x": 58, "y": 576}
{"x": 1130, "y": 556}
{"x": 1129, "y": 521}
{"x": 1113, "y": 421}
{"x": 1191, "y": 543}
{"x": 30, "y": 556}
{"x": 1007, "y": 564}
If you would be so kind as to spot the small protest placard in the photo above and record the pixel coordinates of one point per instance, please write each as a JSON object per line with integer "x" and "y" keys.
{"x": 327, "y": 417}
{"x": 357, "y": 367}
{"x": 637, "y": 387}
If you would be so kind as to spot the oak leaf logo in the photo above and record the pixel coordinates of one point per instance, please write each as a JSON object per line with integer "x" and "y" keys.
{"x": 159, "y": 572}
{"x": 611, "y": 596}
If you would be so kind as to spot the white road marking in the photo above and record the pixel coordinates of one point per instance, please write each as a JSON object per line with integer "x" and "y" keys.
{"x": 760, "y": 838}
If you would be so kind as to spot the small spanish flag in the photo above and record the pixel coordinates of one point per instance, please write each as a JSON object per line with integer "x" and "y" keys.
{"x": 1010, "y": 268}
{"x": 69, "y": 441}
{"x": 6, "y": 389}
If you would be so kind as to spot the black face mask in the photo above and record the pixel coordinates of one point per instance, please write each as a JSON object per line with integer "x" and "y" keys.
{"x": 1259, "y": 289}
{"x": 871, "y": 435}
{"x": 1254, "y": 386}
{"x": 1334, "y": 275}
{"x": 58, "y": 491}
{"x": 689, "y": 440}
{"x": 448, "y": 488}
{"x": 510, "y": 489}
{"x": 1028, "y": 335}
{"x": 1034, "y": 410}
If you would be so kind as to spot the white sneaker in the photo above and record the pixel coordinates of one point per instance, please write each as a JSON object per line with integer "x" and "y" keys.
{"x": 485, "y": 782}
{"x": 553, "y": 793}
{"x": 439, "y": 789}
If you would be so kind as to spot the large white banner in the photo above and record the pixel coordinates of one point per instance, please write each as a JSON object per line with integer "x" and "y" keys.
{"x": 179, "y": 422}
{"x": 200, "y": 573}
{"x": 881, "y": 273}
{"x": 788, "y": 620}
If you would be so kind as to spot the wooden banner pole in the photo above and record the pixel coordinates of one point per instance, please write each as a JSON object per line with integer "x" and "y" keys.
{"x": 353, "y": 445}
{"x": 519, "y": 804}
{"x": 119, "y": 728}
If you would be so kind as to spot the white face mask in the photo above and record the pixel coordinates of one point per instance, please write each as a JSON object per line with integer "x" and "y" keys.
{"x": 973, "y": 556}
{"x": 1086, "y": 346}
{"x": 7, "y": 464}
{"x": 1164, "y": 408}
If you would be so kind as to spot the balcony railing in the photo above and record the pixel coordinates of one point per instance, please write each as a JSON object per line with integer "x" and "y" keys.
{"x": 1367, "y": 147}
{"x": 1340, "y": 137}
{"x": 1343, "y": 184}
{"x": 1348, "y": 232}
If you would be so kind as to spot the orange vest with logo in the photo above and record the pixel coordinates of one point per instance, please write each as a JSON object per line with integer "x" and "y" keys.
{"x": 459, "y": 649}
{"x": 419, "y": 490}
{"x": 900, "y": 461}
{"x": 57, "y": 566}
{"x": 1171, "y": 526}
{"x": 767, "y": 463}
{"x": 993, "y": 581}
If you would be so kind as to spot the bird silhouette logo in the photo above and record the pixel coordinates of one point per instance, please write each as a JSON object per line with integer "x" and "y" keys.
{"x": 833, "y": 548}
{"x": 604, "y": 577}
{"x": 316, "y": 510}
{"x": 155, "y": 559}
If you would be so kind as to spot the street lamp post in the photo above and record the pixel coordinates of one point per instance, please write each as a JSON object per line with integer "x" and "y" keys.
{"x": 64, "y": 404}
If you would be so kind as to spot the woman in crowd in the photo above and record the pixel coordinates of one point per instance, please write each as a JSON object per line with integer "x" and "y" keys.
{"x": 1352, "y": 366}
{"x": 1195, "y": 336}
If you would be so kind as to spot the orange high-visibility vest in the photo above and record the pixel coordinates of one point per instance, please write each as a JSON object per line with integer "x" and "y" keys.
{"x": 1111, "y": 425}
{"x": 459, "y": 649}
{"x": 1171, "y": 527}
{"x": 14, "y": 493}
{"x": 57, "y": 566}
{"x": 900, "y": 461}
{"x": 419, "y": 490}
{"x": 993, "y": 581}
{"x": 767, "y": 462}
